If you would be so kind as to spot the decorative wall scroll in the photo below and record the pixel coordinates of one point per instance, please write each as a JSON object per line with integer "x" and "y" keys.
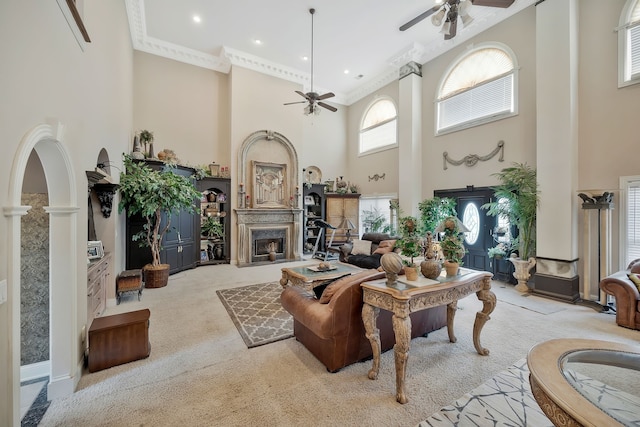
{"x": 270, "y": 185}
{"x": 376, "y": 177}
{"x": 472, "y": 159}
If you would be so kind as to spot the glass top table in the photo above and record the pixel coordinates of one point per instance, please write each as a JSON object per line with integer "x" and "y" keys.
{"x": 308, "y": 275}
{"x": 587, "y": 382}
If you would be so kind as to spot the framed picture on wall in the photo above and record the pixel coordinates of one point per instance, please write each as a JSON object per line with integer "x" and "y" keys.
{"x": 95, "y": 250}
{"x": 308, "y": 200}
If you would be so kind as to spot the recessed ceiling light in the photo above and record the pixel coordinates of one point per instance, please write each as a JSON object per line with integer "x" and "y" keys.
{"x": 197, "y": 19}
{"x": 257, "y": 41}
{"x": 304, "y": 58}
{"x": 346, "y": 71}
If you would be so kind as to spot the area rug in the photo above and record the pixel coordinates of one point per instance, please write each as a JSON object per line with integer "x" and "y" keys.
{"x": 257, "y": 313}
{"x": 504, "y": 400}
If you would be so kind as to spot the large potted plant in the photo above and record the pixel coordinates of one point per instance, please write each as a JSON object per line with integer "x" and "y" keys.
{"x": 152, "y": 194}
{"x": 410, "y": 245}
{"x": 517, "y": 199}
{"x": 433, "y": 211}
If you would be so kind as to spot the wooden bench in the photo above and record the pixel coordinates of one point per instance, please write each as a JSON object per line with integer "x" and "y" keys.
{"x": 118, "y": 339}
{"x": 129, "y": 281}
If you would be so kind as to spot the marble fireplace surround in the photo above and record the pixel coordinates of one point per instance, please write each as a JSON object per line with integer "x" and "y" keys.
{"x": 256, "y": 216}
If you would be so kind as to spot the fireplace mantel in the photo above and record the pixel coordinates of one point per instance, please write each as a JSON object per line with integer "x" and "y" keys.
{"x": 252, "y": 220}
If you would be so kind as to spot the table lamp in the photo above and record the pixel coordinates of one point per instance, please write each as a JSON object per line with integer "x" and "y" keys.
{"x": 347, "y": 225}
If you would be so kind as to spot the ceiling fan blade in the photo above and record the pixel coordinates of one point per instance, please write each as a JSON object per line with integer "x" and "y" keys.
{"x": 492, "y": 3}
{"x": 297, "y": 102}
{"x": 325, "y": 96}
{"x": 327, "y": 106}
{"x": 304, "y": 95}
{"x": 420, "y": 17}
{"x": 452, "y": 30}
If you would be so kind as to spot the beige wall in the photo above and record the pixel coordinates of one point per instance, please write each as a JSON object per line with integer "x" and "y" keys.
{"x": 184, "y": 106}
{"x": 47, "y": 78}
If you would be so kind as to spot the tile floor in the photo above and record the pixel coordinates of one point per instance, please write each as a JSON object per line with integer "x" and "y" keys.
{"x": 33, "y": 401}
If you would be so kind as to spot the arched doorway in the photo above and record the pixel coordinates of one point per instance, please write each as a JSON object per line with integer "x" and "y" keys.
{"x": 65, "y": 361}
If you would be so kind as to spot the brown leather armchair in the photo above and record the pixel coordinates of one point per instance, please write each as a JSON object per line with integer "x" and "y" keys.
{"x": 334, "y": 332}
{"x": 626, "y": 294}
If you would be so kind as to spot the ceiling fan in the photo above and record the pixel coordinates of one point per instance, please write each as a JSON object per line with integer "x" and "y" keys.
{"x": 312, "y": 98}
{"x": 450, "y": 10}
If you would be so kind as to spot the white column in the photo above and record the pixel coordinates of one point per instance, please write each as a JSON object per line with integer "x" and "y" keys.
{"x": 65, "y": 349}
{"x": 410, "y": 138}
{"x": 557, "y": 146}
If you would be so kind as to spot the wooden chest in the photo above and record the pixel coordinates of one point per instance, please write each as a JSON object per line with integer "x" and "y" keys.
{"x": 118, "y": 339}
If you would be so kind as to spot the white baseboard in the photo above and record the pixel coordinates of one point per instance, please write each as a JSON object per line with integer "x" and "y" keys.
{"x": 35, "y": 371}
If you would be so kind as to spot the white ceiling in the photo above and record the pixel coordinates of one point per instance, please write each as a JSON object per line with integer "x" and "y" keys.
{"x": 359, "y": 35}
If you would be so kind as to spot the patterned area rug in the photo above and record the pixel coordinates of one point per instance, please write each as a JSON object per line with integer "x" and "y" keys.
{"x": 504, "y": 400}
{"x": 257, "y": 313}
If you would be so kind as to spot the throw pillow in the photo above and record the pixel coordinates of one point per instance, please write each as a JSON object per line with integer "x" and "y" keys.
{"x": 635, "y": 279}
{"x": 320, "y": 288}
{"x": 332, "y": 289}
{"x": 361, "y": 247}
{"x": 385, "y": 247}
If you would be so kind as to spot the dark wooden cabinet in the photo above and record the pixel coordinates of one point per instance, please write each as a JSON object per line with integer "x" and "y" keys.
{"x": 118, "y": 339}
{"x": 314, "y": 208}
{"x": 180, "y": 245}
{"x": 215, "y": 204}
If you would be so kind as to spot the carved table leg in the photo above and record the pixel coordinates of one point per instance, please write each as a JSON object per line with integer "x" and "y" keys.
{"x": 451, "y": 314}
{"x": 488, "y": 299}
{"x": 369, "y": 316}
{"x": 285, "y": 279}
{"x": 402, "y": 330}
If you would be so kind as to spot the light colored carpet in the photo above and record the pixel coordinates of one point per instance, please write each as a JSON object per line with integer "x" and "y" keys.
{"x": 201, "y": 373}
{"x": 257, "y": 313}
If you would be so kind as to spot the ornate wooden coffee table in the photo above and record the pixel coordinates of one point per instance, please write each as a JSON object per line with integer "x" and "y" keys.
{"x": 404, "y": 298}
{"x": 307, "y": 276}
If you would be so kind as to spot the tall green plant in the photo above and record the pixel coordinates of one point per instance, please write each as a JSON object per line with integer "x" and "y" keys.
{"x": 517, "y": 199}
{"x": 151, "y": 193}
{"x": 433, "y": 211}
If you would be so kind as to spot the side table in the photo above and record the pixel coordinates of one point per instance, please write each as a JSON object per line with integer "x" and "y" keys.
{"x": 405, "y": 297}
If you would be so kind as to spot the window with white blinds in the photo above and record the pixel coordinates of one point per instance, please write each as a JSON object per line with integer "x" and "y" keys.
{"x": 479, "y": 88}
{"x": 633, "y": 221}
{"x": 379, "y": 129}
{"x": 629, "y": 40}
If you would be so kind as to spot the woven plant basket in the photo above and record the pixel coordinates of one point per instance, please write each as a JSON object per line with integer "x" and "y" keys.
{"x": 156, "y": 277}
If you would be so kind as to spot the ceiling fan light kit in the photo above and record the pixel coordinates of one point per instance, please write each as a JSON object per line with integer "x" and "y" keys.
{"x": 449, "y": 12}
{"x": 313, "y": 99}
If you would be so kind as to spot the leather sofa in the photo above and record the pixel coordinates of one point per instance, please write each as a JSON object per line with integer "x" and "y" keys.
{"x": 626, "y": 294}
{"x": 334, "y": 332}
{"x": 371, "y": 260}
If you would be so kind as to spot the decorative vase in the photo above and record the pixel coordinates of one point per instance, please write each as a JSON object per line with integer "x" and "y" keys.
{"x": 522, "y": 267}
{"x": 411, "y": 273}
{"x": 430, "y": 268}
{"x": 451, "y": 268}
{"x": 218, "y": 252}
{"x": 272, "y": 256}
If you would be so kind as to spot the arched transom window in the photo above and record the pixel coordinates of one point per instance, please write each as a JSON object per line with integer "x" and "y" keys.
{"x": 379, "y": 128}
{"x": 629, "y": 44}
{"x": 479, "y": 88}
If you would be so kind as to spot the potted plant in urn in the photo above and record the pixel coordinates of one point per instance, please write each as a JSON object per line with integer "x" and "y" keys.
{"x": 452, "y": 244}
{"x": 517, "y": 199}
{"x": 152, "y": 194}
{"x": 410, "y": 245}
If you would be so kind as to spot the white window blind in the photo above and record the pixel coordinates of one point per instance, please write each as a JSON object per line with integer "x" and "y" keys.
{"x": 379, "y": 126}
{"x": 633, "y": 221}
{"x": 483, "y": 101}
{"x": 634, "y": 50}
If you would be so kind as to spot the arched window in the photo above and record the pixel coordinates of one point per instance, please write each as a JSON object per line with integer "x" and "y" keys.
{"x": 379, "y": 128}
{"x": 629, "y": 44}
{"x": 480, "y": 87}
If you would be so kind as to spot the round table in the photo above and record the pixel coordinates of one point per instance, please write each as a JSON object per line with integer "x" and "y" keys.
{"x": 580, "y": 382}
